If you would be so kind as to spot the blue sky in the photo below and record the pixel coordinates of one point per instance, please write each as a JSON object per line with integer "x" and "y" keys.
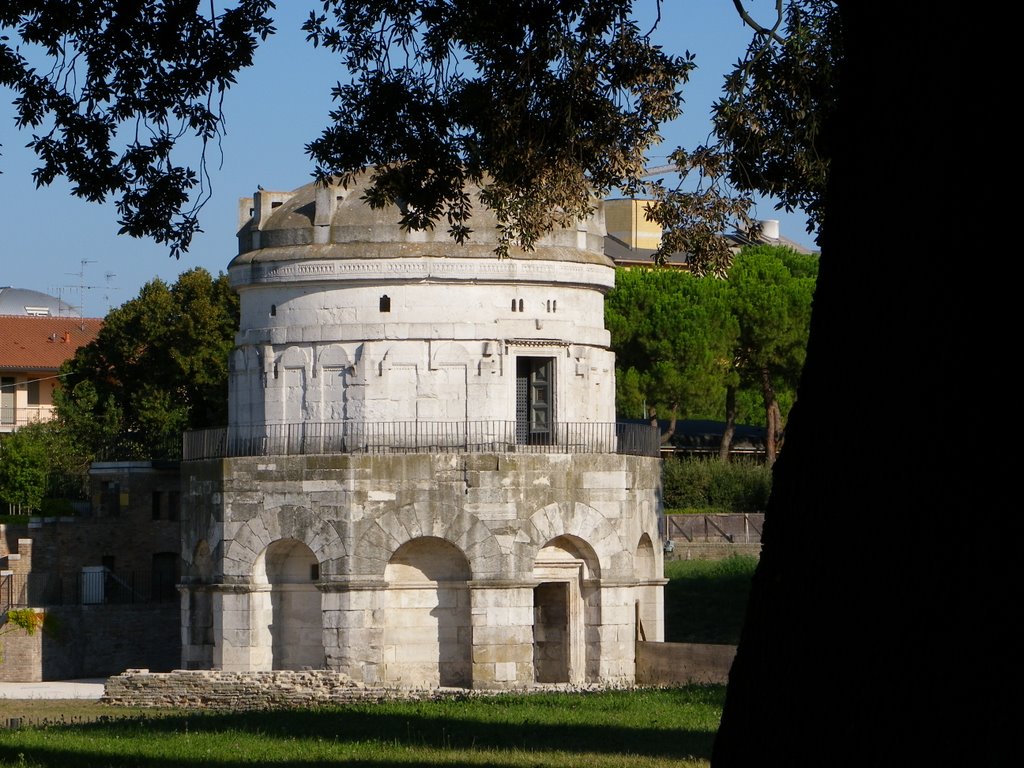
{"x": 277, "y": 106}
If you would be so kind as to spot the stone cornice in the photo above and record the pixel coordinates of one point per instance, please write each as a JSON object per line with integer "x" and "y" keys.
{"x": 422, "y": 269}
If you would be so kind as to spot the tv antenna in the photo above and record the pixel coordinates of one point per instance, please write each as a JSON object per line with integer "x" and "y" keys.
{"x": 82, "y": 287}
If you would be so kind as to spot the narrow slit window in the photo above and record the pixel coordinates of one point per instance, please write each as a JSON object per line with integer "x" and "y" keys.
{"x": 520, "y": 305}
{"x": 273, "y": 310}
{"x": 385, "y": 303}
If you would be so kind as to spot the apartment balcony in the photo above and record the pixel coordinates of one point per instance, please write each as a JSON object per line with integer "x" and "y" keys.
{"x": 12, "y": 418}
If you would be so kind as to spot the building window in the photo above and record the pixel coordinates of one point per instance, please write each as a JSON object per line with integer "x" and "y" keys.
{"x": 156, "y": 505}
{"x": 385, "y": 303}
{"x": 32, "y": 388}
{"x": 273, "y": 310}
{"x": 314, "y": 572}
{"x": 173, "y": 505}
{"x": 110, "y": 499}
{"x": 6, "y": 399}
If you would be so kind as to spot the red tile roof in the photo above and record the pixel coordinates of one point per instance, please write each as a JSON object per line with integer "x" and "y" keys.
{"x": 43, "y": 343}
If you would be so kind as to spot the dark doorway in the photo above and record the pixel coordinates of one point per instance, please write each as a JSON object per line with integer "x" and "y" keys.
{"x": 535, "y": 400}
{"x": 551, "y": 632}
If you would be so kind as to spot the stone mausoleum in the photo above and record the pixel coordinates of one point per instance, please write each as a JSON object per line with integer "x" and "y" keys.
{"x": 422, "y": 482}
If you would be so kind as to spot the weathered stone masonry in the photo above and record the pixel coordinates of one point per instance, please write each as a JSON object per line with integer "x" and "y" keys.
{"x": 429, "y": 567}
{"x": 426, "y": 485}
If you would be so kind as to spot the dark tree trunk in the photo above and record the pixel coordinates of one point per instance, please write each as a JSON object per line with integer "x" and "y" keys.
{"x": 894, "y": 648}
{"x": 670, "y": 430}
{"x": 730, "y": 423}
{"x": 772, "y": 418}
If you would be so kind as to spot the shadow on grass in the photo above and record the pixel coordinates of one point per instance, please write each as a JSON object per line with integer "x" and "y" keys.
{"x": 706, "y": 601}
{"x": 389, "y": 736}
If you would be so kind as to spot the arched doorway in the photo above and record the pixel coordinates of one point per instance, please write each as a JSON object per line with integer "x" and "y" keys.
{"x": 565, "y": 567}
{"x": 198, "y": 610}
{"x": 649, "y": 604}
{"x": 427, "y": 627}
{"x": 295, "y": 628}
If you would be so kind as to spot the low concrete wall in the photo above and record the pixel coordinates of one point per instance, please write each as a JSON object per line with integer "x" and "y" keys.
{"x": 668, "y": 664}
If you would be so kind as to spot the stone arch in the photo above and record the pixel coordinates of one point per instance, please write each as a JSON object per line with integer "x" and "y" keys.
{"x": 427, "y": 633}
{"x": 197, "y": 613}
{"x": 334, "y": 374}
{"x": 399, "y": 525}
{"x": 334, "y": 356}
{"x": 566, "y": 606}
{"x": 442, "y": 390}
{"x": 292, "y": 373}
{"x": 450, "y": 353}
{"x": 287, "y": 521}
{"x": 649, "y": 600}
{"x": 582, "y": 522}
{"x": 287, "y": 614}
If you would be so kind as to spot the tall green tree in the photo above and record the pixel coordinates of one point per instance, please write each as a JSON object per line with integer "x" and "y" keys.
{"x": 581, "y": 88}
{"x": 673, "y": 335}
{"x": 769, "y": 135}
{"x": 157, "y": 368}
{"x": 24, "y": 469}
{"x": 771, "y": 120}
{"x": 850, "y": 651}
{"x": 770, "y": 292}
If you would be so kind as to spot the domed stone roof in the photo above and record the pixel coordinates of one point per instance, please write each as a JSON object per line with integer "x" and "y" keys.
{"x": 26, "y": 302}
{"x": 316, "y": 222}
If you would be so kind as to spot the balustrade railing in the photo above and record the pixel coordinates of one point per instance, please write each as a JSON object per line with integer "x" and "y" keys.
{"x": 419, "y": 437}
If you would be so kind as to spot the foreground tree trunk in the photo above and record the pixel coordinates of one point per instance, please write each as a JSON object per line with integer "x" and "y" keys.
{"x": 892, "y": 648}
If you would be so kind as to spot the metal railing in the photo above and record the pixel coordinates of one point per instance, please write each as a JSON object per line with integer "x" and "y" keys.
{"x": 88, "y": 587}
{"x": 12, "y": 417}
{"x": 419, "y": 437}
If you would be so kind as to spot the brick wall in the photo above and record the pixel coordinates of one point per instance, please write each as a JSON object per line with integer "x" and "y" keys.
{"x": 95, "y": 641}
{"x": 20, "y": 657}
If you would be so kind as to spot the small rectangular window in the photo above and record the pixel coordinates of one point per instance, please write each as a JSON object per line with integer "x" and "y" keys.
{"x": 173, "y": 505}
{"x": 32, "y": 388}
{"x": 110, "y": 499}
{"x": 156, "y": 505}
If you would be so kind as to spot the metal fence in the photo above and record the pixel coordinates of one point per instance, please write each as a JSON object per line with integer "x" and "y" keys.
{"x": 90, "y": 586}
{"x": 732, "y": 527}
{"x": 419, "y": 437}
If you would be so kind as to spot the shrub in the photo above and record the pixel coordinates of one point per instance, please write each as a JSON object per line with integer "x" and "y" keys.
{"x": 703, "y": 484}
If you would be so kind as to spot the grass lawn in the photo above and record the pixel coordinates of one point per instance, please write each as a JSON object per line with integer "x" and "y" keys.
{"x": 704, "y": 603}
{"x": 705, "y": 600}
{"x": 620, "y": 729}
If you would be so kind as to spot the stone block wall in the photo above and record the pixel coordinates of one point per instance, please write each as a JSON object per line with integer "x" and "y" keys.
{"x": 449, "y": 546}
{"x": 671, "y": 664}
